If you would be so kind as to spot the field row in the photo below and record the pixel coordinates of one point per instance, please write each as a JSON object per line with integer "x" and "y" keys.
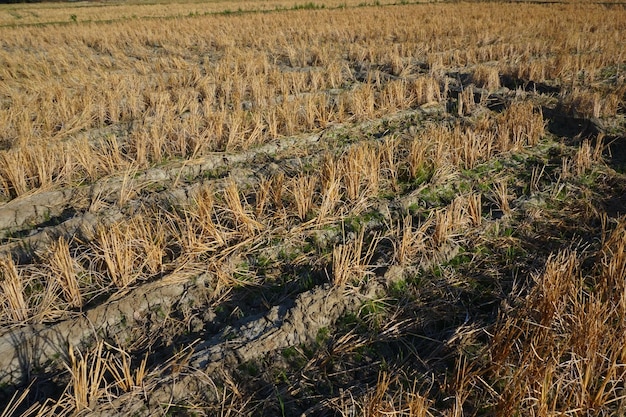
{"x": 53, "y": 13}
{"x": 411, "y": 209}
{"x": 137, "y": 96}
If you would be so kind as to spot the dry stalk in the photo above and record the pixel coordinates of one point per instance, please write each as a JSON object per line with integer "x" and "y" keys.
{"x": 535, "y": 177}
{"x": 518, "y": 126}
{"x": 303, "y": 190}
{"x": 243, "y": 219}
{"x": 587, "y": 155}
{"x": 486, "y": 77}
{"x": 331, "y": 191}
{"x": 128, "y": 187}
{"x": 352, "y": 165}
{"x": 65, "y": 270}
{"x": 350, "y": 264}
{"x": 567, "y": 355}
{"x": 612, "y": 258}
{"x": 418, "y": 405}
{"x": 109, "y": 156}
{"x": 13, "y": 173}
{"x": 443, "y": 227}
{"x": 230, "y": 275}
{"x": 462, "y": 388}
{"x": 360, "y": 169}
{"x": 276, "y": 190}
{"x": 465, "y": 101}
{"x": 502, "y": 196}
{"x": 14, "y": 304}
{"x": 587, "y": 103}
{"x": 378, "y": 402}
{"x": 598, "y": 149}
{"x": 149, "y": 235}
{"x": 114, "y": 246}
{"x": 196, "y": 235}
{"x": 203, "y": 214}
{"x": 472, "y": 147}
{"x": 388, "y": 152}
{"x": 86, "y": 160}
{"x": 330, "y": 198}
{"x": 474, "y": 209}
{"x": 410, "y": 241}
{"x": 263, "y": 193}
{"x": 426, "y": 90}
{"x": 417, "y": 157}
{"x": 129, "y": 249}
{"x": 440, "y": 139}
{"x": 372, "y": 170}
{"x": 362, "y": 102}
{"x": 395, "y": 96}
{"x": 566, "y": 168}
{"x": 122, "y": 372}
{"x": 448, "y": 220}
{"x": 14, "y": 403}
{"x": 342, "y": 259}
{"x": 87, "y": 376}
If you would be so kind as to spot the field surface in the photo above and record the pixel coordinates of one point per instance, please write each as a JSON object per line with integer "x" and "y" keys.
{"x": 332, "y": 208}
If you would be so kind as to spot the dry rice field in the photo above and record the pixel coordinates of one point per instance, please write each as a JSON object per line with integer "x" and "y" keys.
{"x": 334, "y": 208}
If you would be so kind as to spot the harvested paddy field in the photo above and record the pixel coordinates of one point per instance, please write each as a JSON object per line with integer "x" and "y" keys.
{"x": 320, "y": 209}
